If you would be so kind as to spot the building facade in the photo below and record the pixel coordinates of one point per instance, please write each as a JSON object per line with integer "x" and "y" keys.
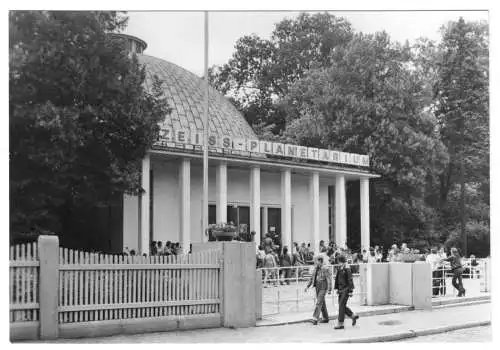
{"x": 296, "y": 192}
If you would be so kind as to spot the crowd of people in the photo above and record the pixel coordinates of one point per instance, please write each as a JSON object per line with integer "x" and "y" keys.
{"x": 276, "y": 261}
{"x": 158, "y": 249}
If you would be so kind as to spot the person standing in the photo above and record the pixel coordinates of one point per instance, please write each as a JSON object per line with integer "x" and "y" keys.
{"x": 270, "y": 266}
{"x": 322, "y": 248}
{"x": 268, "y": 243}
{"x": 434, "y": 260}
{"x": 344, "y": 287}
{"x": 321, "y": 279}
{"x": 260, "y": 256}
{"x": 297, "y": 261}
{"x": 286, "y": 264}
{"x": 455, "y": 261}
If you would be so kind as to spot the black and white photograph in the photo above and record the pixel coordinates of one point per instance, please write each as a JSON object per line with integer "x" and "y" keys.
{"x": 249, "y": 176}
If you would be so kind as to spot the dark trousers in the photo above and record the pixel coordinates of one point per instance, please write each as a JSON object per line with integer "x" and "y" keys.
{"x": 320, "y": 304}
{"x": 343, "y": 308}
{"x": 442, "y": 281}
{"x": 456, "y": 281}
{"x": 437, "y": 282}
{"x": 286, "y": 274}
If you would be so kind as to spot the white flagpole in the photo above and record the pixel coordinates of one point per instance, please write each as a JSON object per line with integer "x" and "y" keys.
{"x": 205, "y": 140}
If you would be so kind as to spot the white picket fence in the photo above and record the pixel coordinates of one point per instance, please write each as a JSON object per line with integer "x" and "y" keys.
{"x": 24, "y": 278}
{"x": 99, "y": 287}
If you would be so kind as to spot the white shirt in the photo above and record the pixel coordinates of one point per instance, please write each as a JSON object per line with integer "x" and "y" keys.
{"x": 434, "y": 260}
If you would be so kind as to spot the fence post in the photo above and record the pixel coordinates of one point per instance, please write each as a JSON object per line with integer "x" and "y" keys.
{"x": 48, "y": 253}
{"x": 239, "y": 275}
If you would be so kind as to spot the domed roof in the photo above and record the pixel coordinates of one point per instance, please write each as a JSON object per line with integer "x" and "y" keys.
{"x": 185, "y": 93}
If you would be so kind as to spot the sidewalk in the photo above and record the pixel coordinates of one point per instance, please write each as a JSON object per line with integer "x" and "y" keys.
{"x": 364, "y": 311}
{"x": 388, "y": 327}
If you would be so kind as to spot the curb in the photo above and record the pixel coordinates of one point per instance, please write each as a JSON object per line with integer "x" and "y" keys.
{"x": 412, "y": 334}
{"x": 334, "y": 317}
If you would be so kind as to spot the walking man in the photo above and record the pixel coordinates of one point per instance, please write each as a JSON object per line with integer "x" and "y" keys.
{"x": 344, "y": 287}
{"x": 321, "y": 279}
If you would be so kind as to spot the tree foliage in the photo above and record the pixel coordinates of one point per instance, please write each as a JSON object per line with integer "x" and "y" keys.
{"x": 317, "y": 83}
{"x": 461, "y": 106}
{"x": 371, "y": 101}
{"x": 261, "y": 71}
{"x": 80, "y": 119}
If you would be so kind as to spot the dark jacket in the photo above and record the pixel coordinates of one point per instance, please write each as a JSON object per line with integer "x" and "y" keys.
{"x": 286, "y": 260}
{"x": 455, "y": 262}
{"x": 343, "y": 279}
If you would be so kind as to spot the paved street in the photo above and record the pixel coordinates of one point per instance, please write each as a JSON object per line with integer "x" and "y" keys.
{"x": 374, "y": 327}
{"x": 477, "y": 334}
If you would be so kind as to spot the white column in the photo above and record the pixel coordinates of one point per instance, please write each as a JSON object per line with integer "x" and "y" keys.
{"x": 145, "y": 200}
{"x": 365, "y": 213}
{"x": 314, "y": 210}
{"x": 340, "y": 212}
{"x": 286, "y": 208}
{"x": 185, "y": 203}
{"x": 221, "y": 189}
{"x": 255, "y": 203}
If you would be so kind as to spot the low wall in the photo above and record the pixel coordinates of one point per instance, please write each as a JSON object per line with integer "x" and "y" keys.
{"x": 136, "y": 326}
{"x": 25, "y": 331}
{"x": 400, "y": 284}
{"x": 421, "y": 286}
{"x": 377, "y": 281}
{"x": 239, "y": 286}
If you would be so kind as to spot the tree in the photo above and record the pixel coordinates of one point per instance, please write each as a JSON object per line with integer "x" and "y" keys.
{"x": 80, "y": 118}
{"x": 462, "y": 100}
{"x": 261, "y": 71}
{"x": 372, "y": 101}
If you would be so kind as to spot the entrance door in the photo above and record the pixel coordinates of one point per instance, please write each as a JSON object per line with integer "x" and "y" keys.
{"x": 240, "y": 217}
{"x": 274, "y": 224}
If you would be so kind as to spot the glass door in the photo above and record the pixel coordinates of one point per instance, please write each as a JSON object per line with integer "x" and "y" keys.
{"x": 274, "y": 225}
{"x": 239, "y": 216}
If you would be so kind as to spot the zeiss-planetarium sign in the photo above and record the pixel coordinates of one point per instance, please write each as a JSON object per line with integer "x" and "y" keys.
{"x": 184, "y": 139}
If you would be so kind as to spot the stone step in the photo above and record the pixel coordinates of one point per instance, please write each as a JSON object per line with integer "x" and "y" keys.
{"x": 463, "y": 300}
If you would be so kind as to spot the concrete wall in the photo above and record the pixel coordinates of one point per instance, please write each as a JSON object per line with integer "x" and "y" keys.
{"x": 422, "y": 286}
{"x": 377, "y": 281}
{"x": 239, "y": 285}
{"x": 400, "y": 283}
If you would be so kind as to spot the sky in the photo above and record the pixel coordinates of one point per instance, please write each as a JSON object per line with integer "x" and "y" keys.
{"x": 178, "y": 36}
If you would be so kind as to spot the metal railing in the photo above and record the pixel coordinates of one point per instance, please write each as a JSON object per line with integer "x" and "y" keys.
{"x": 473, "y": 279}
{"x": 284, "y": 289}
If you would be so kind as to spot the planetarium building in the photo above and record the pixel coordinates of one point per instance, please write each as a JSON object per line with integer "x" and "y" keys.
{"x": 297, "y": 192}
